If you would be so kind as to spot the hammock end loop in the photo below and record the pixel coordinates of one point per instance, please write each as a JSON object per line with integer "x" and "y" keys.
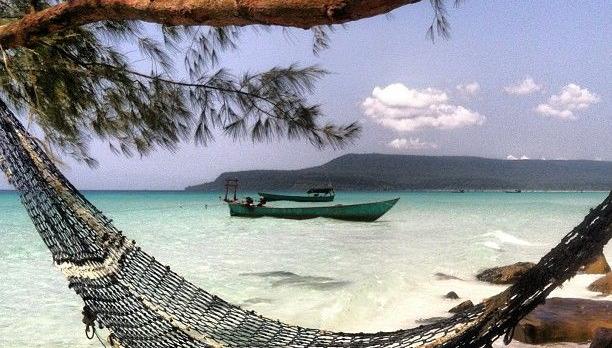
{"x": 89, "y": 319}
{"x": 509, "y": 335}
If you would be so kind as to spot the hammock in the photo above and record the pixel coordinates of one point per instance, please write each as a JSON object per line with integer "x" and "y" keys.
{"x": 144, "y": 304}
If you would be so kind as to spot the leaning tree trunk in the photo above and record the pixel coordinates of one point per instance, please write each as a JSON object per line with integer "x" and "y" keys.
{"x": 290, "y": 13}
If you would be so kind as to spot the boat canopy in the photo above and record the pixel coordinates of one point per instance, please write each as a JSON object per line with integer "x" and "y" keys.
{"x": 326, "y": 190}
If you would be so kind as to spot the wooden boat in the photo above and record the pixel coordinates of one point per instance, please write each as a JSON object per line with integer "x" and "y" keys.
{"x": 326, "y": 194}
{"x": 351, "y": 212}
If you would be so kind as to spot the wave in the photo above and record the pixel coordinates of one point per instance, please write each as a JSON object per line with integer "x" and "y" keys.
{"x": 286, "y": 278}
{"x": 493, "y": 245}
{"x": 507, "y": 238}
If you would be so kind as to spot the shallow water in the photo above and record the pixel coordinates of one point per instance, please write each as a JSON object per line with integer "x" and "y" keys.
{"x": 317, "y": 273}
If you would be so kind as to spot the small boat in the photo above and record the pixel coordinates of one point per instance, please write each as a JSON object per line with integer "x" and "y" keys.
{"x": 350, "y": 212}
{"x": 325, "y": 194}
{"x": 514, "y": 191}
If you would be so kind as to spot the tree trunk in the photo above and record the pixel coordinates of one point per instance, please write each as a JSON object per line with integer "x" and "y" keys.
{"x": 290, "y": 13}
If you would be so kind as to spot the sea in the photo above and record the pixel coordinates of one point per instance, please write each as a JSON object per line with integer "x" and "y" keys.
{"x": 319, "y": 273}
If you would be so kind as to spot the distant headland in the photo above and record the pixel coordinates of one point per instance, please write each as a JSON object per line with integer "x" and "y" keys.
{"x": 379, "y": 172}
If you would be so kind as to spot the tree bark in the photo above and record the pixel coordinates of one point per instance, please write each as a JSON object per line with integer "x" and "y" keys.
{"x": 290, "y": 13}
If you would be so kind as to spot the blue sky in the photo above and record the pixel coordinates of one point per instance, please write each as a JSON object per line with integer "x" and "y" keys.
{"x": 534, "y": 80}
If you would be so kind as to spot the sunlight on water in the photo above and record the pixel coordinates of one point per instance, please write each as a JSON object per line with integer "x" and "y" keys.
{"x": 317, "y": 273}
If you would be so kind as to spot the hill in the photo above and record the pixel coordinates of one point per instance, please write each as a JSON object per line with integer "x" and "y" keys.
{"x": 378, "y": 172}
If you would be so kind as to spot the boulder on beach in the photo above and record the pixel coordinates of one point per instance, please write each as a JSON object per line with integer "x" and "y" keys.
{"x": 451, "y": 295}
{"x": 505, "y": 274}
{"x": 602, "y": 338}
{"x": 432, "y": 320}
{"x": 599, "y": 265}
{"x": 461, "y": 307}
{"x": 444, "y": 276}
{"x": 603, "y": 285}
{"x": 564, "y": 320}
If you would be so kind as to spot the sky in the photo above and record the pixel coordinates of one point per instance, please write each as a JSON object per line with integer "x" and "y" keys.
{"x": 517, "y": 79}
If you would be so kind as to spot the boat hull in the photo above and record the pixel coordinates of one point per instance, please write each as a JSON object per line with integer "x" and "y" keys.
{"x": 353, "y": 212}
{"x": 271, "y": 197}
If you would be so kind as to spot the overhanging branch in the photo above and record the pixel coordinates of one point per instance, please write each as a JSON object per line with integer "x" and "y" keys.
{"x": 289, "y": 13}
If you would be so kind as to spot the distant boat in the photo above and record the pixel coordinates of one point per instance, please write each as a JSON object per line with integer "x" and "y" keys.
{"x": 351, "y": 212}
{"x": 325, "y": 194}
{"x": 514, "y": 191}
{"x": 459, "y": 191}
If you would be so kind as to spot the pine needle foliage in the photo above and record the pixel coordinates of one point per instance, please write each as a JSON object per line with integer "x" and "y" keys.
{"x": 440, "y": 26}
{"x": 76, "y": 86}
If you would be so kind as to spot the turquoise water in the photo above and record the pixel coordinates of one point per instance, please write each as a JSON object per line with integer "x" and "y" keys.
{"x": 351, "y": 276}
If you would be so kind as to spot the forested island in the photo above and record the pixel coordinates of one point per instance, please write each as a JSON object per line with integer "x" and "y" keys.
{"x": 380, "y": 172}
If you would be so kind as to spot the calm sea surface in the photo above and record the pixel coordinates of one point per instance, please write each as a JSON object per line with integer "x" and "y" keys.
{"x": 349, "y": 276}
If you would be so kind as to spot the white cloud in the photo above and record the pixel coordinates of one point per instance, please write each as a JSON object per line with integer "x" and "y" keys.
{"x": 513, "y": 158}
{"x": 469, "y": 88}
{"x": 571, "y": 98}
{"x": 527, "y": 86}
{"x": 411, "y": 144}
{"x": 406, "y": 109}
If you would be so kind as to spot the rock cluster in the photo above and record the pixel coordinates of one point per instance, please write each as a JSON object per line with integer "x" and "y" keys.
{"x": 603, "y": 285}
{"x": 564, "y": 320}
{"x": 599, "y": 265}
{"x": 461, "y": 307}
{"x": 561, "y": 319}
{"x": 505, "y": 274}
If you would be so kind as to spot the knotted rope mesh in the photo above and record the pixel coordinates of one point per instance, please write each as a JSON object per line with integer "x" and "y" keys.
{"x": 145, "y": 304}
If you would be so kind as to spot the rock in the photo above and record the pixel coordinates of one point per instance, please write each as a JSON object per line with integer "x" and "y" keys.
{"x": 444, "y": 276}
{"x": 504, "y": 274}
{"x": 432, "y": 320}
{"x": 461, "y": 307}
{"x": 256, "y": 301}
{"x": 602, "y": 338}
{"x": 451, "y": 295}
{"x": 564, "y": 320}
{"x": 599, "y": 265}
{"x": 603, "y": 285}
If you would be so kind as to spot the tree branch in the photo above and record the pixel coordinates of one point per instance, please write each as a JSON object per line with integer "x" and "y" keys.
{"x": 86, "y": 65}
{"x": 289, "y": 13}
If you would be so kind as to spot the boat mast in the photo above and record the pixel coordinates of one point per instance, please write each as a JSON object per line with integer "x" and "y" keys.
{"x": 231, "y": 184}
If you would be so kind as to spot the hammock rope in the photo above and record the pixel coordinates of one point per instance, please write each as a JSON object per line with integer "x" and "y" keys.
{"x": 145, "y": 304}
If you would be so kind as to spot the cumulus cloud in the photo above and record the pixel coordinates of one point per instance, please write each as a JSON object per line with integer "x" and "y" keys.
{"x": 406, "y": 109}
{"x": 411, "y": 144}
{"x": 469, "y": 88}
{"x": 571, "y": 98}
{"x": 527, "y": 86}
{"x": 513, "y": 158}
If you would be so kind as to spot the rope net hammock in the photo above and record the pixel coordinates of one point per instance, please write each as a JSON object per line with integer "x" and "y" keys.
{"x": 145, "y": 304}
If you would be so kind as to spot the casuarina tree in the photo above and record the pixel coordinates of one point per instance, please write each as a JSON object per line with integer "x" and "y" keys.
{"x": 64, "y": 68}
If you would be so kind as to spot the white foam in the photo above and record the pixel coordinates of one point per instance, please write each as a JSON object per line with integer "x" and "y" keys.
{"x": 492, "y": 245}
{"x": 390, "y": 265}
{"x": 507, "y": 238}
